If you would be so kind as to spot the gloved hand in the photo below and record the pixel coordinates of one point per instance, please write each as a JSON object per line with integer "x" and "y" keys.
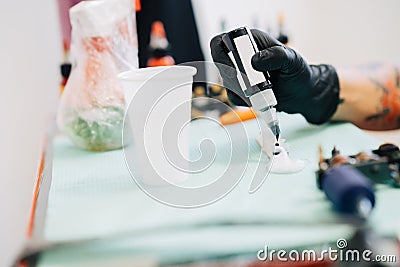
{"x": 311, "y": 90}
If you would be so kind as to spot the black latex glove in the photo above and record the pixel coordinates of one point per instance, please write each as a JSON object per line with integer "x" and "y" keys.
{"x": 311, "y": 90}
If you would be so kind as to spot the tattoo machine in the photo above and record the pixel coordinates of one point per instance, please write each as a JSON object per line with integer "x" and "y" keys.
{"x": 255, "y": 85}
{"x": 347, "y": 180}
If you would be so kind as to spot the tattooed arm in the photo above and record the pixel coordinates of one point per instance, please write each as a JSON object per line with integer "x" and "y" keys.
{"x": 370, "y": 97}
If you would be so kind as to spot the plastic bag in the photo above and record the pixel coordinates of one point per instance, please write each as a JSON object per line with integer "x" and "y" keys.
{"x": 104, "y": 43}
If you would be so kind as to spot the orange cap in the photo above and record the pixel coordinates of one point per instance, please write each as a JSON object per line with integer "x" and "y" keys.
{"x": 157, "y": 29}
{"x": 138, "y": 6}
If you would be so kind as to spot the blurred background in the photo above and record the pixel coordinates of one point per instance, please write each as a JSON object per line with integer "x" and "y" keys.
{"x": 339, "y": 32}
{"x": 336, "y": 32}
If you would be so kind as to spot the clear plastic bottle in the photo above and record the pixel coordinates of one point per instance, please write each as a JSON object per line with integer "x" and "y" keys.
{"x": 92, "y": 107}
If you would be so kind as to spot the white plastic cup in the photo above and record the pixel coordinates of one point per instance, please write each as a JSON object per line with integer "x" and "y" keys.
{"x": 158, "y": 101}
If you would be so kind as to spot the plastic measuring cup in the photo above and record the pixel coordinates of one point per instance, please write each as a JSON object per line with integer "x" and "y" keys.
{"x": 156, "y": 136}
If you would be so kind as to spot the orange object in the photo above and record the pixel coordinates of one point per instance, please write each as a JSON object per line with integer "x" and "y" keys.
{"x": 36, "y": 195}
{"x": 162, "y": 61}
{"x": 159, "y": 47}
{"x": 62, "y": 87}
{"x": 138, "y": 6}
{"x": 157, "y": 29}
{"x": 237, "y": 116}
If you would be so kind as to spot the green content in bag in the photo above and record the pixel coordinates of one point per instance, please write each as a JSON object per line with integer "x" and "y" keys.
{"x": 97, "y": 128}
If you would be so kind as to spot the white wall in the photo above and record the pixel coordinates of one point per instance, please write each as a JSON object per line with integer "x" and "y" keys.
{"x": 29, "y": 56}
{"x": 339, "y": 32}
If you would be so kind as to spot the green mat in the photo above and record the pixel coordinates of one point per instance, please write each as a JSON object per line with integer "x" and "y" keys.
{"x": 92, "y": 196}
